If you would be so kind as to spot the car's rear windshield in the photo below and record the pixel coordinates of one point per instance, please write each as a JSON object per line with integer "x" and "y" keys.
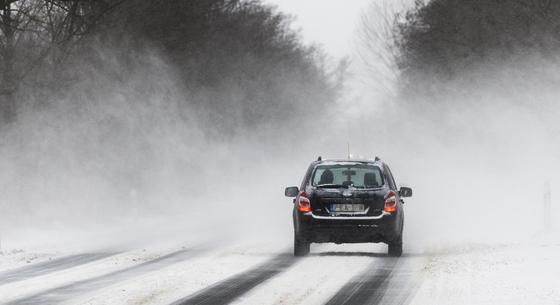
{"x": 359, "y": 175}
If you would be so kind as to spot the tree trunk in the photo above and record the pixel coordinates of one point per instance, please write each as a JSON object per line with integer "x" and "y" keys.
{"x": 8, "y": 87}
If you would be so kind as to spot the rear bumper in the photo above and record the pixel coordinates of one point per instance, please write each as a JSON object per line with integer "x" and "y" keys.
{"x": 356, "y": 229}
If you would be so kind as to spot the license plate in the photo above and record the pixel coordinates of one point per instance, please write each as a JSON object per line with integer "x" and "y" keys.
{"x": 347, "y": 207}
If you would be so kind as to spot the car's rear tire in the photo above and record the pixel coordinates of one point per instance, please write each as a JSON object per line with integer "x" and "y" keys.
{"x": 301, "y": 247}
{"x": 396, "y": 248}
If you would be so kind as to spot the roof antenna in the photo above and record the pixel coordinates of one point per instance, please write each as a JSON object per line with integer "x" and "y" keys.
{"x": 348, "y": 150}
{"x": 320, "y": 158}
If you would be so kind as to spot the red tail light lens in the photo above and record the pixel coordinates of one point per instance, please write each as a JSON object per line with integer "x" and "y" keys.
{"x": 390, "y": 202}
{"x": 303, "y": 203}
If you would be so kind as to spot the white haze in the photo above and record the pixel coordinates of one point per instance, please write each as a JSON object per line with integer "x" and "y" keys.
{"x": 329, "y": 23}
{"x": 118, "y": 160}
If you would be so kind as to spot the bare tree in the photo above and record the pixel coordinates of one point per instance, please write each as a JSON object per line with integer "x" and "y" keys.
{"x": 38, "y": 32}
{"x": 9, "y": 24}
{"x": 379, "y": 51}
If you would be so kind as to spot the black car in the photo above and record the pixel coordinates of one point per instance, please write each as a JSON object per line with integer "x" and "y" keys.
{"x": 348, "y": 201}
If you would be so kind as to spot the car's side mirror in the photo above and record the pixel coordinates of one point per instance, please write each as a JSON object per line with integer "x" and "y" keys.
{"x": 405, "y": 192}
{"x": 291, "y": 191}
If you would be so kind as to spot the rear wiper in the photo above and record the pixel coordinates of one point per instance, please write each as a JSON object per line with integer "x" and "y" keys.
{"x": 333, "y": 186}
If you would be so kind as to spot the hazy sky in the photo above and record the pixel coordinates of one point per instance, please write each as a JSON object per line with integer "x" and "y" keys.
{"x": 331, "y": 23}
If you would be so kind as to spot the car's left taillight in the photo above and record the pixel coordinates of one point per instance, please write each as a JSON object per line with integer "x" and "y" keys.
{"x": 390, "y": 202}
{"x": 303, "y": 203}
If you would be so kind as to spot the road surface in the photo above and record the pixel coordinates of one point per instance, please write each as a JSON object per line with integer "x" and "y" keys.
{"x": 257, "y": 274}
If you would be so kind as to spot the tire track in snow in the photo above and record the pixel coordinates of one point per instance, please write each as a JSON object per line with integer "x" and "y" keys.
{"x": 226, "y": 291}
{"x": 62, "y": 293}
{"x": 368, "y": 287}
{"x": 388, "y": 281}
{"x": 403, "y": 284}
{"x": 47, "y": 267}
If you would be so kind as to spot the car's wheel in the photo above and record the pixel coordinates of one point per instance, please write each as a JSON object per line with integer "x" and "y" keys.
{"x": 301, "y": 247}
{"x": 395, "y": 248}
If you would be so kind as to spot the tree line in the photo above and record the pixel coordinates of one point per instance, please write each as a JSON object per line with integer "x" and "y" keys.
{"x": 444, "y": 40}
{"x": 237, "y": 57}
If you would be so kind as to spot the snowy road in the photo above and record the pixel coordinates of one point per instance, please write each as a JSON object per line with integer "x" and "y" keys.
{"x": 368, "y": 287}
{"x": 229, "y": 289}
{"x": 267, "y": 274}
{"x": 62, "y": 263}
{"x": 59, "y": 294}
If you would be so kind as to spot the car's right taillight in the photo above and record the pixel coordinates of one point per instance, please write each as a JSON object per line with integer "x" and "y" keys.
{"x": 390, "y": 202}
{"x": 303, "y": 203}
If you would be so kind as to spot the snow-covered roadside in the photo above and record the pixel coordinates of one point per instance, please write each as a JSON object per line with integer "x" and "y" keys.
{"x": 15, "y": 258}
{"x": 526, "y": 273}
